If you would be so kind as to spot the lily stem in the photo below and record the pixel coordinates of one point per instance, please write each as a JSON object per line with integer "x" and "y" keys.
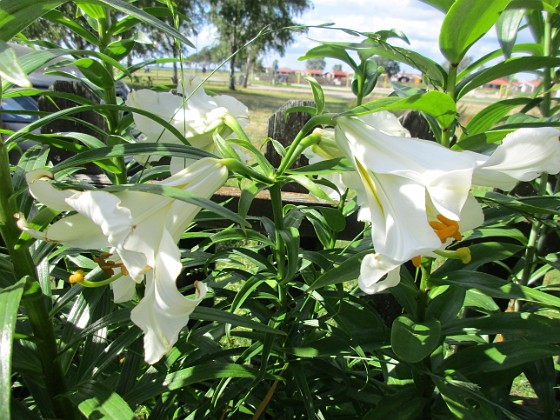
{"x": 301, "y": 142}
{"x": 33, "y": 299}
{"x": 277, "y": 211}
{"x": 446, "y": 132}
{"x": 536, "y": 230}
{"x": 110, "y": 97}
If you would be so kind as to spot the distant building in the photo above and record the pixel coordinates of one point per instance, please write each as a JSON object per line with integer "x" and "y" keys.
{"x": 529, "y": 86}
{"x": 314, "y": 72}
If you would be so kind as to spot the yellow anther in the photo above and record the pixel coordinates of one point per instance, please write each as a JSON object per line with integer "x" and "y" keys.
{"x": 446, "y": 228}
{"x": 77, "y": 277}
{"x": 124, "y": 271}
{"x": 109, "y": 266}
{"x": 417, "y": 261}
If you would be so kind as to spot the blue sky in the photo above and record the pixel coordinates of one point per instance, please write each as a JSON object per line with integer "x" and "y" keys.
{"x": 419, "y": 21}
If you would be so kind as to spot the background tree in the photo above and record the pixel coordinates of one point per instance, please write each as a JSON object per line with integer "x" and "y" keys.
{"x": 337, "y": 67}
{"x": 316, "y": 64}
{"x": 49, "y": 32}
{"x": 185, "y": 16}
{"x": 239, "y": 21}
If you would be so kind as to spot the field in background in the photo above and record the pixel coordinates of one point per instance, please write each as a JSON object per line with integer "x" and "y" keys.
{"x": 264, "y": 98}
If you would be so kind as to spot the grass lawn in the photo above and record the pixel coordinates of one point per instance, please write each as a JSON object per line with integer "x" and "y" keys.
{"x": 263, "y": 101}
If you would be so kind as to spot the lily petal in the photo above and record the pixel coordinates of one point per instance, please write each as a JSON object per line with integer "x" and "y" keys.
{"x": 373, "y": 268}
{"x": 195, "y": 114}
{"x": 445, "y": 174}
{"x": 42, "y": 190}
{"x": 164, "y": 311}
{"x": 522, "y": 156}
{"x": 123, "y": 289}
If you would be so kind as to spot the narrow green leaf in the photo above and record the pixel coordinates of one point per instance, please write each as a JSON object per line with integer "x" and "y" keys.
{"x": 290, "y": 235}
{"x": 95, "y": 72}
{"x": 10, "y": 68}
{"x": 300, "y": 378}
{"x": 318, "y": 94}
{"x": 195, "y": 374}
{"x": 120, "y": 49}
{"x": 433, "y": 72}
{"x": 507, "y": 27}
{"x": 16, "y": 15}
{"x": 188, "y": 197}
{"x": 445, "y": 305}
{"x": 526, "y": 48}
{"x": 61, "y": 18}
{"x": 487, "y": 118}
{"x": 331, "y": 51}
{"x": 435, "y": 103}
{"x": 496, "y": 287}
{"x": 348, "y": 270}
{"x": 222, "y": 317}
{"x": 129, "y": 10}
{"x": 496, "y": 357}
{"x": 414, "y": 341}
{"x": 9, "y": 304}
{"x": 520, "y": 326}
{"x": 95, "y": 400}
{"x": 542, "y": 376}
{"x": 464, "y": 399}
{"x": 512, "y": 66}
{"x": 91, "y": 9}
{"x": 482, "y": 142}
{"x": 465, "y": 23}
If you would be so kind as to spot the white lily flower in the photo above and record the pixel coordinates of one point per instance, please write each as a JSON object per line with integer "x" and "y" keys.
{"x": 142, "y": 230}
{"x": 194, "y": 114}
{"x": 416, "y": 193}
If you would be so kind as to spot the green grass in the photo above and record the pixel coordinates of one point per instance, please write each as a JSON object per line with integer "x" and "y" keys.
{"x": 261, "y": 103}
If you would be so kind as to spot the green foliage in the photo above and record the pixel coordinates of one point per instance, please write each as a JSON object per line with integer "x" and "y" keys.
{"x": 285, "y": 330}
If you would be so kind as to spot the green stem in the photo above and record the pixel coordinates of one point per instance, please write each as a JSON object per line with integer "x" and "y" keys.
{"x": 33, "y": 299}
{"x": 360, "y": 94}
{"x": 301, "y": 142}
{"x": 548, "y": 72}
{"x": 110, "y": 97}
{"x": 277, "y": 211}
{"x": 536, "y": 228}
{"x": 446, "y": 133}
{"x": 424, "y": 289}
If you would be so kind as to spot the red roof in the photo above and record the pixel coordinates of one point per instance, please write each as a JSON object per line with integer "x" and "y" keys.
{"x": 286, "y": 70}
{"x": 315, "y": 72}
{"x": 499, "y": 82}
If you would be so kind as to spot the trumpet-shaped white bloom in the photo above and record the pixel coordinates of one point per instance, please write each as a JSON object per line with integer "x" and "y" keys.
{"x": 194, "y": 114}
{"x": 141, "y": 231}
{"x": 416, "y": 193}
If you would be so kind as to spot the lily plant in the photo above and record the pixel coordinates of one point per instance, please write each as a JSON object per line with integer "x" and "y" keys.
{"x": 417, "y": 193}
{"x": 195, "y": 114}
{"x": 138, "y": 233}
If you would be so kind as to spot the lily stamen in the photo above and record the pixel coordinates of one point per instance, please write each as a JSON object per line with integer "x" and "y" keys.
{"x": 77, "y": 277}
{"x": 417, "y": 261}
{"x": 463, "y": 254}
{"x": 109, "y": 266}
{"x": 446, "y": 228}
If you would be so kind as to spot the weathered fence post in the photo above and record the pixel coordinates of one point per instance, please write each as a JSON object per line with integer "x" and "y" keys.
{"x": 284, "y": 129}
